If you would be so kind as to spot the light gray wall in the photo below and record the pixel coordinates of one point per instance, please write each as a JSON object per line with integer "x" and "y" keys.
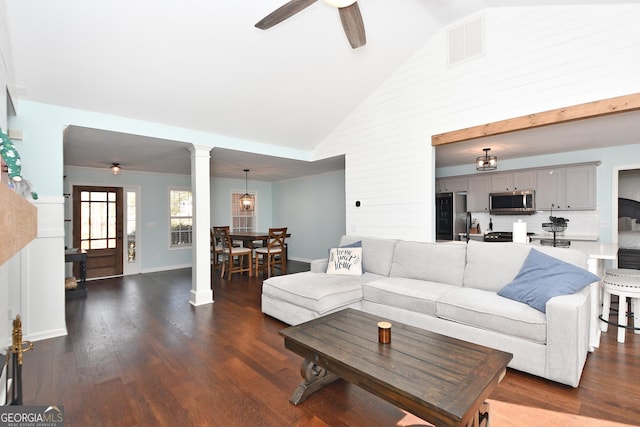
{"x": 221, "y": 190}
{"x": 153, "y": 235}
{"x": 313, "y": 209}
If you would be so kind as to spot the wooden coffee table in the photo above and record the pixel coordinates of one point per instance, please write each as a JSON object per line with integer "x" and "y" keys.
{"x": 442, "y": 380}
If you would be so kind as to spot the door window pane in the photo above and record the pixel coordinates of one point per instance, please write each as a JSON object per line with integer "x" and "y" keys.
{"x": 131, "y": 226}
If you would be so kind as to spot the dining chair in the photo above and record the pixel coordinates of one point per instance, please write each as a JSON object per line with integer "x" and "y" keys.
{"x": 273, "y": 253}
{"x": 217, "y": 251}
{"x": 231, "y": 253}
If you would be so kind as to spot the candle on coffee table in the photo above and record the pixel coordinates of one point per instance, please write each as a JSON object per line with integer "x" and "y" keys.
{"x": 384, "y": 332}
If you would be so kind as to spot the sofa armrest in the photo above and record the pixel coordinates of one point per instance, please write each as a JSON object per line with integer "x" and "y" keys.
{"x": 319, "y": 265}
{"x": 568, "y": 326}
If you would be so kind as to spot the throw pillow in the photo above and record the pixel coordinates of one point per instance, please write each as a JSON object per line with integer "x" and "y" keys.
{"x": 543, "y": 277}
{"x": 357, "y": 244}
{"x": 346, "y": 261}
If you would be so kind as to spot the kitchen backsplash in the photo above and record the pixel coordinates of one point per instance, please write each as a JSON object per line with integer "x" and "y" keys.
{"x": 581, "y": 223}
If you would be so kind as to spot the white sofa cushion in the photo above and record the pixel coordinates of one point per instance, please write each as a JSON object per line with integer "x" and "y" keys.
{"x": 377, "y": 254}
{"x": 317, "y": 292}
{"x": 410, "y": 294}
{"x": 489, "y": 311}
{"x": 491, "y": 265}
{"x": 435, "y": 262}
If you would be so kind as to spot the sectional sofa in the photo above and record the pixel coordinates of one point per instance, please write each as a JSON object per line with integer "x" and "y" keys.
{"x": 453, "y": 289}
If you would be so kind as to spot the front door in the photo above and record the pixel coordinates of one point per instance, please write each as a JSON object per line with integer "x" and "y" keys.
{"x": 97, "y": 228}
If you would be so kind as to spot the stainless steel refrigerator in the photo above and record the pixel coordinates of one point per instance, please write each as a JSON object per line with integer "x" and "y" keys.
{"x": 451, "y": 210}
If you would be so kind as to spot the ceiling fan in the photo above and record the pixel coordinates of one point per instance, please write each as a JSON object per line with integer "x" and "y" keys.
{"x": 349, "y": 15}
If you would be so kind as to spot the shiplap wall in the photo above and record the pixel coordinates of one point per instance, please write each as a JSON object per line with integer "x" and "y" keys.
{"x": 536, "y": 59}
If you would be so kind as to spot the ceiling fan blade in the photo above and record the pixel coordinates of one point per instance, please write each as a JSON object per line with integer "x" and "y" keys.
{"x": 353, "y": 25}
{"x": 283, "y": 12}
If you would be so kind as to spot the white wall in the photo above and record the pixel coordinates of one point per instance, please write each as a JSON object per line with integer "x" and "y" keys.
{"x": 313, "y": 210}
{"x": 536, "y": 59}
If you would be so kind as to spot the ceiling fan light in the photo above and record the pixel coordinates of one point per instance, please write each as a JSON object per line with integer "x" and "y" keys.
{"x": 339, "y": 3}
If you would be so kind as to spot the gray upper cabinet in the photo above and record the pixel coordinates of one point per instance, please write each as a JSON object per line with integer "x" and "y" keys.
{"x": 478, "y": 193}
{"x": 549, "y": 182}
{"x": 525, "y": 180}
{"x": 501, "y": 182}
{"x": 514, "y": 181}
{"x": 566, "y": 188}
{"x": 580, "y": 184}
{"x": 451, "y": 184}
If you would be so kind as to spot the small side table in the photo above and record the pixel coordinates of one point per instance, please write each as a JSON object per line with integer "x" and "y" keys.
{"x": 625, "y": 283}
{"x": 81, "y": 258}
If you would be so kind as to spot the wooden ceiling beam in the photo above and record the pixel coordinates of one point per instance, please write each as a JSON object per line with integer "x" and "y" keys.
{"x": 602, "y": 107}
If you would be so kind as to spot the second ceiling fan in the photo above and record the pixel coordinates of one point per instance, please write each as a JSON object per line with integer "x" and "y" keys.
{"x": 349, "y": 15}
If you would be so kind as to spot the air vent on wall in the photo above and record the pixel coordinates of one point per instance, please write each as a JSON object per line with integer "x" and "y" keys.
{"x": 466, "y": 40}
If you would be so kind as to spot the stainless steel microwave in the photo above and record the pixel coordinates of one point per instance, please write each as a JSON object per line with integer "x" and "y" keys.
{"x": 513, "y": 203}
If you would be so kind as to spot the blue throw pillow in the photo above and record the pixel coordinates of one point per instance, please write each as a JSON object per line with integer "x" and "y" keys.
{"x": 543, "y": 277}
{"x": 357, "y": 244}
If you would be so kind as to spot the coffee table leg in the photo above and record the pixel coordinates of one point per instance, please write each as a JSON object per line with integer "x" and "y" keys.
{"x": 483, "y": 415}
{"x": 315, "y": 377}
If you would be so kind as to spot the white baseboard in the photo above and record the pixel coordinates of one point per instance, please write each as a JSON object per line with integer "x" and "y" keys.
{"x": 43, "y": 335}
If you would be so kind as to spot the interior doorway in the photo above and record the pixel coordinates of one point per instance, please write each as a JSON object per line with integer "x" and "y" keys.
{"x": 98, "y": 229}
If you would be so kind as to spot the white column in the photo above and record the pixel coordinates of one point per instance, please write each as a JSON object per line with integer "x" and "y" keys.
{"x": 201, "y": 292}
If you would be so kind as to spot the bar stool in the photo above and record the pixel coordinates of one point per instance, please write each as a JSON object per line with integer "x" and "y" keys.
{"x": 625, "y": 283}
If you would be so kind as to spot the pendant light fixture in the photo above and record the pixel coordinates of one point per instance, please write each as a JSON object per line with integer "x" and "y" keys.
{"x": 115, "y": 168}
{"x": 486, "y": 162}
{"x": 247, "y": 200}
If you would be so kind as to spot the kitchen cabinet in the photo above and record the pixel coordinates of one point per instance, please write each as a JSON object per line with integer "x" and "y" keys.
{"x": 580, "y": 187}
{"x": 525, "y": 180}
{"x": 501, "y": 182}
{"x": 548, "y": 188}
{"x": 566, "y": 188}
{"x": 515, "y": 181}
{"x": 451, "y": 184}
{"x": 478, "y": 193}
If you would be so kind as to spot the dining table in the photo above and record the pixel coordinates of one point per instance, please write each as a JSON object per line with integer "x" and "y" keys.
{"x": 249, "y": 237}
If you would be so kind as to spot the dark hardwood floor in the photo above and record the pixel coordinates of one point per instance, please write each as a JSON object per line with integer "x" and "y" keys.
{"x": 138, "y": 354}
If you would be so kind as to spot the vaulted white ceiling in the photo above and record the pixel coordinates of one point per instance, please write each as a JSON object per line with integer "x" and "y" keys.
{"x": 202, "y": 65}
